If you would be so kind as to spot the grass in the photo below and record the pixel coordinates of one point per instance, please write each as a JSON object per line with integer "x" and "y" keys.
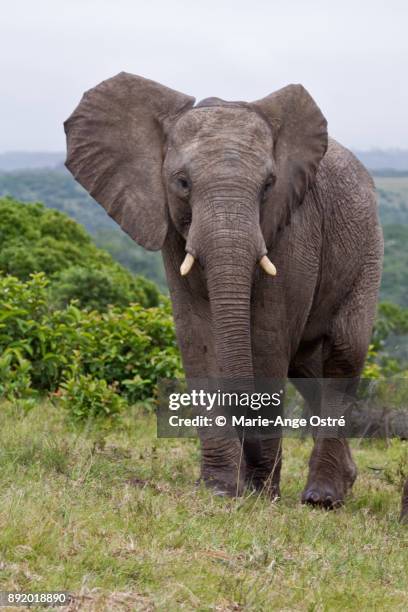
{"x": 114, "y": 517}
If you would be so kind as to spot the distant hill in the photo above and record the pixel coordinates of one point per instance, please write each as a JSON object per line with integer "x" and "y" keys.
{"x": 56, "y": 188}
{"x": 383, "y": 160}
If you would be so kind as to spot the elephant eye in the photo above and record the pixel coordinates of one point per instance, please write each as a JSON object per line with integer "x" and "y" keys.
{"x": 183, "y": 183}
{"x": 180, "y": 185}
{"x": 267, "y": 186}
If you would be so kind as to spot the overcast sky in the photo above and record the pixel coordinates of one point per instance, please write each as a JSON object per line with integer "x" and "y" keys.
{"x": 351, "y": 55}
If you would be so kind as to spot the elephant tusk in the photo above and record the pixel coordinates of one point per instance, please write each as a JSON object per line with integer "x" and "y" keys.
{"x": 267, "y": 265}
{"x": 187, "y": 264}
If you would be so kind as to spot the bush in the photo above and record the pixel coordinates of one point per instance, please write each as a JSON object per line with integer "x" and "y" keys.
{"x": 383, "y": 360}
{"x": 96, "y": 289}
{"x": 129, "y": 348}
{"x": 90, "y": 288}
{"x": 15, "y": 380}
{"x": 86, "y": 398}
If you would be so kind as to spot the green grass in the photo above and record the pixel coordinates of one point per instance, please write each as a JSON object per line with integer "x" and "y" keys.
{"x": 115, "y": 518}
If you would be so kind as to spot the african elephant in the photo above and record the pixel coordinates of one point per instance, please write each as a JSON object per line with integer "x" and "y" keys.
{"x": 232, "y": 192}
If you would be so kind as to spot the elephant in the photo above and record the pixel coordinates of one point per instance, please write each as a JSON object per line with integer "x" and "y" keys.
{"x": 271, "y": 244}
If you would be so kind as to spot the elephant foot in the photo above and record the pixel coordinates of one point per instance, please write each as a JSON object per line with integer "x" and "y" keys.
{"x": 221, "y": 487}
{"x": 223, "y": 467}
{"x": 265, "y": 486}
{"x": 264, "y": 461}
{"x": 404, "y": 505}
{"x": 332, "y": 473}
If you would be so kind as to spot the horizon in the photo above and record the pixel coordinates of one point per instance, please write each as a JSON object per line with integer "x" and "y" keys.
{"x": 379, "y": 162}
{"x": 373, "y": 149}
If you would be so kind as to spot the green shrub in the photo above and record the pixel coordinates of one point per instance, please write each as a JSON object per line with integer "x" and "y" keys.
{"x": 146, "y": 292}
{"x": 15, "y": 379}
{"x": 129, "y": 348}
{"x": 384, "y": 360}
{"x": 96, "y": 289}
{"x": 85, "y": 397}
{"x": 90, "y": 288}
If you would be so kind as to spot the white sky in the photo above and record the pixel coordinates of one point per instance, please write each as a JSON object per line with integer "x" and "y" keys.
{"x": 350, "y": 54}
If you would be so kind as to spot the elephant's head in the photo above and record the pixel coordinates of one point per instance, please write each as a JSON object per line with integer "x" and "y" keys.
{"x": 227, "y": 175}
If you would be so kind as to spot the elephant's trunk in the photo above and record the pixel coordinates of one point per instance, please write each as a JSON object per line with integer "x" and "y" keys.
{"x": 229, "y": 278}
{"x": 229, "y": 247}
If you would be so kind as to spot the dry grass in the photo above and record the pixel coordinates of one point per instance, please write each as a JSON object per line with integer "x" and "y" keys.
{"x": 115, "y": 519}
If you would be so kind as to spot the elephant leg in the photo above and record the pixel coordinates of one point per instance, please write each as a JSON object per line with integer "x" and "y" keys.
{"x": 264, "y": 461}
{"x": 404, "y": 504}
{"x": 223, "y": 466}
{"x": 331, "y": 467}
{"x": 332, "y": 473}
{"x": 326, "y": 485}
{"x": 332, "y": 470}
{"x": 263, "y": 453}
{"x": 223, "y": 462}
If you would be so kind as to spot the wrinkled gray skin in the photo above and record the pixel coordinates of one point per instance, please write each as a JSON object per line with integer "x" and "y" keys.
{"x": 229, "y": 183}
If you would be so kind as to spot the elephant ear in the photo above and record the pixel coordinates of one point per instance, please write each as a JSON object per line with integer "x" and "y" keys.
{"x": 115, "y": 143}
{"x": 300, "y": 139}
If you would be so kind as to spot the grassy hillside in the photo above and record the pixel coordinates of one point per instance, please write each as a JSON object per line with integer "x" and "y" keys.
{"x": 116, "y": 519}
{"x": 57, "y": 189}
